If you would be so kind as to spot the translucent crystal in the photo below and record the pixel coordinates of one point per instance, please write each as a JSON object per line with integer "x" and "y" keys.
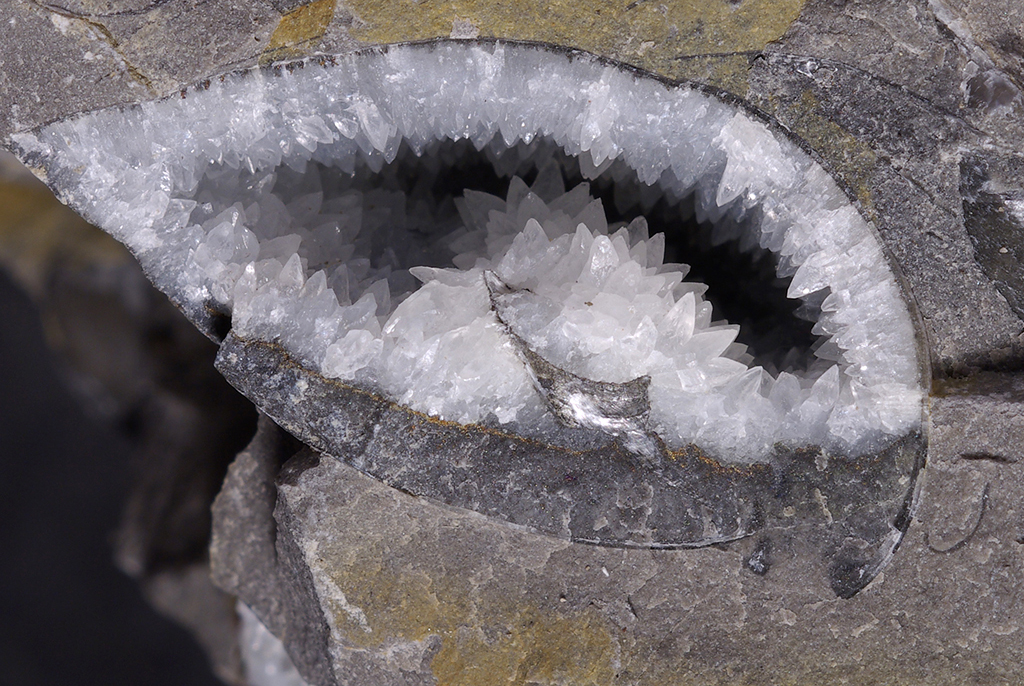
{"x": 272, "y": 194}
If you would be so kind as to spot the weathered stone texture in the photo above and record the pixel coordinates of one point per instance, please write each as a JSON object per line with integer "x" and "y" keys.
{"x": 416, "y": 592}
{"x": 914, "y": 106}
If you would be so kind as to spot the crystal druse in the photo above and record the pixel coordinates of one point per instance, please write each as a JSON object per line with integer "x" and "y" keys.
{"x": 265, "y": 195}
{"x": 333, "y": 212}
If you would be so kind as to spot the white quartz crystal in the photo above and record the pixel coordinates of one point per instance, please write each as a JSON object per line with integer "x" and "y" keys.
{"x": 269, "y": 194}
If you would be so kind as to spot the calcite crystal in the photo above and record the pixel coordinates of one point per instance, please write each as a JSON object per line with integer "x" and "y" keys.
{"x": 428, "y": 544}
{"x": 527, "y": 354}
{"x": 276, "y": 198}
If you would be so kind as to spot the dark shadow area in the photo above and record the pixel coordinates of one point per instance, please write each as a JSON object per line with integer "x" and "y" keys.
{"x": 67, "y": 615}
{"x": 743, "y": 287}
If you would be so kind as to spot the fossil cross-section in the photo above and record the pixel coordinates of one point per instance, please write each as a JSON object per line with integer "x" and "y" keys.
{"x": 530, "y": 283}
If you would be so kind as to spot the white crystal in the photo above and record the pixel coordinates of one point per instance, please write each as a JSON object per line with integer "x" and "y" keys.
{"x": 256, "y": 193}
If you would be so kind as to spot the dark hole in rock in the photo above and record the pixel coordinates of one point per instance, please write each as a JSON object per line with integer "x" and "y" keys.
{"x": 743, "y": 285}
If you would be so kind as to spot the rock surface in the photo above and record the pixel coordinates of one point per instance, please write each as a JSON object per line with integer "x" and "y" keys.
{"x": 253, "y": 558}
{"x": 413, "y": 592}
{"x": 894, "y": 129}
{"x": 914, "y": 106}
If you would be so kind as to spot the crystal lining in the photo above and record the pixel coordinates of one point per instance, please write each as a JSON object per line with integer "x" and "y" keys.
{"x": 254, "y": 194}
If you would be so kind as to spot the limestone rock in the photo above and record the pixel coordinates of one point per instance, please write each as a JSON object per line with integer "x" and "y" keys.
{"x": 914, "y": 108}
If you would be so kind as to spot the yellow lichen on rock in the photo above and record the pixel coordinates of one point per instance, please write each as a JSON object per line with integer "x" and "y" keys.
{"x": 383, "y": 604}
{"x": 728, "y": 72}
{"x": 536, "y": 648}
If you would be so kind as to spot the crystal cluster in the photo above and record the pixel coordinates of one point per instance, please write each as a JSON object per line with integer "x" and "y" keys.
{"x": 267, "y": 194}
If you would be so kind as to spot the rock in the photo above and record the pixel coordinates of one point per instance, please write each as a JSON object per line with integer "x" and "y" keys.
{"x": 414, "y": 592}
{"x": 254, "y": 559}
{"x": 914, "y": 107}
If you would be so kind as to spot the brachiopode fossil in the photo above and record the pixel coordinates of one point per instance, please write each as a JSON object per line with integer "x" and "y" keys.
{"x": 457, "y": 266}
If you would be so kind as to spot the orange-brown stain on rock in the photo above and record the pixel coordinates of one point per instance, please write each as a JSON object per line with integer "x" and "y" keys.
{"x": 853, "y": 160}
{"x": 652, "y": 34}
{"x": 488, "y": 637}
{"x": 298, "y": 28}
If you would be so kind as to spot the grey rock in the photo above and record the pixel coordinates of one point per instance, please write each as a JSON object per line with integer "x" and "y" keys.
{"x": 993, "y": 209}
{"x": 253, "y": 560}
{"x": 851, "y": 514}
{"x": 419, "y": 592}
{"x": 915, "y": 107}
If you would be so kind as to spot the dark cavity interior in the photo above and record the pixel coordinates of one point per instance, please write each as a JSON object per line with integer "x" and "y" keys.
{"x": 743, "y": 286}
